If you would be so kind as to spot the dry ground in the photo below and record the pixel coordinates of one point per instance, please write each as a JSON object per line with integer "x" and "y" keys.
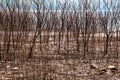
{"x": 56, "y": 68}
{"x": 48, "y": 64}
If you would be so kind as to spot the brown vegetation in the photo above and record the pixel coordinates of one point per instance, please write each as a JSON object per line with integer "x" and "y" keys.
{"x": 47, "y": 44}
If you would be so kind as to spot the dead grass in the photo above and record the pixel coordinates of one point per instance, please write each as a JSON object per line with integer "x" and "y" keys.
{"x": 48, "y": 64}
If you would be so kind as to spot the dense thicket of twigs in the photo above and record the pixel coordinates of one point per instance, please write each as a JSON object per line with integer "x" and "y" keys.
{"x": 76, "y": 29}
{"x": 84, "y": 25}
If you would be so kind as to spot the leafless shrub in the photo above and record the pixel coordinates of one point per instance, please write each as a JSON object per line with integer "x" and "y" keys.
{"x": 73, "y": 30}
